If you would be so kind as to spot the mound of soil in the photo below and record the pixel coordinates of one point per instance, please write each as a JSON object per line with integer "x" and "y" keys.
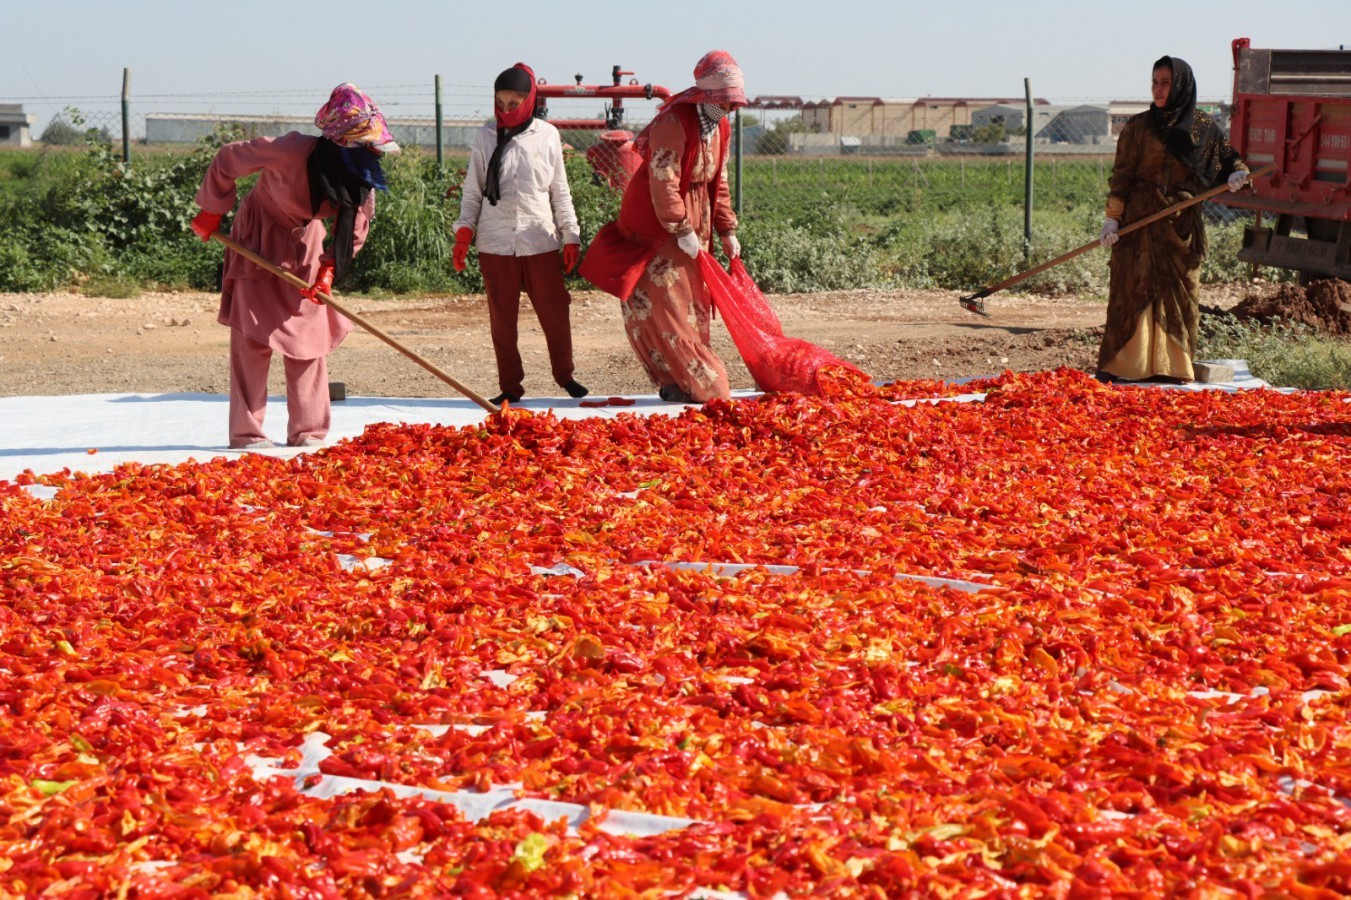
{"x": 1324, "y": 306}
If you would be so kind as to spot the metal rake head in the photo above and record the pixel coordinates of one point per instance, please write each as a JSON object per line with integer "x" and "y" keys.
{"x": 975, "y": 303}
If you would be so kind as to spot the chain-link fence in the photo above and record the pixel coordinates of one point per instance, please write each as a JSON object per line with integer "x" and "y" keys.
{"x": 793, "y": 155}
{"x": 831, "y": 193}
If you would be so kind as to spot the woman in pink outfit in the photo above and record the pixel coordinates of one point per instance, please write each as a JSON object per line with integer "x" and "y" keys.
{"x": 303, "y": 180}
{"x": 675, "y": 203}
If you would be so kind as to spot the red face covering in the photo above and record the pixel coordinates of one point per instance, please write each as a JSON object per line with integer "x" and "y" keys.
{"x": 510, "y": 81}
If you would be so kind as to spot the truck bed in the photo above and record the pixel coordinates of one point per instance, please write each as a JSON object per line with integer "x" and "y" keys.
{"x": 1292, "y": 108}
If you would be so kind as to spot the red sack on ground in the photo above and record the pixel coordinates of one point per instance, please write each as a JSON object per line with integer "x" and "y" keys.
{"x": 776, "y": 362}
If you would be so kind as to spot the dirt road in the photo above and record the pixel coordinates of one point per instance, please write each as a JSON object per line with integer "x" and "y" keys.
{"x": 72, "y": 344}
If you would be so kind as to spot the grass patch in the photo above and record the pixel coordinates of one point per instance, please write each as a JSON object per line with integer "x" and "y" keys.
{"x": 1281, "y": 354}
{"x": 116, "y": 287}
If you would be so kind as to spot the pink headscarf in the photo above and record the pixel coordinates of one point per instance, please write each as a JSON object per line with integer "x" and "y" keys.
{"x": 351, "y": 119}
{"x": 717, "y": 79}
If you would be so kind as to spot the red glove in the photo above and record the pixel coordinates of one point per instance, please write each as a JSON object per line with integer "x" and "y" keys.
{"x": 571, "y": 253}
{"x": 460, "y": 257}
{"x": 205, "y": 224}
{"x": 323, "y": 284}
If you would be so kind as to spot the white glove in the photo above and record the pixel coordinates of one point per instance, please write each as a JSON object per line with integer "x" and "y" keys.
{"x": 689, "y": 242}
{"x": 1237, "y": 180}
{"x": 731, "y": 246}
{"x": 1109, "y": 235}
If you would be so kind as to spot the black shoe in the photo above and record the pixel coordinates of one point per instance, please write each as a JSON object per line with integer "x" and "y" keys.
{"x": 576, "y": 389}
{"x": 674, "y": 393}
{"x": 503, "y": 397}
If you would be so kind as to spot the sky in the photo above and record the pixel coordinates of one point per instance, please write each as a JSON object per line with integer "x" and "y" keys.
{"x": 283, "y": 56}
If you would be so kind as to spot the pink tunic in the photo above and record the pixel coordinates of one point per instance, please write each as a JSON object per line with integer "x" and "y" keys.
{"x": 275, "y": 221}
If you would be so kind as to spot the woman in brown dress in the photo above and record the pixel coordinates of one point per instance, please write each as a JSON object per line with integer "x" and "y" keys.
{"x": 677, "y": 200}
{"x": 1165, "y": 155}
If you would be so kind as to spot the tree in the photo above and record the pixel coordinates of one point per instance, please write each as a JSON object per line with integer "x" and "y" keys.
{"x": 989, "y": 134}
{"x": 69, "y": 128}
{"x": 62, "y": 133}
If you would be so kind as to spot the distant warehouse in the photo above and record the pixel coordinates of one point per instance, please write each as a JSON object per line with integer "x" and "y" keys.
{"x": 189, "y": 128}
{"x": 1081, "y": 124}
{"x": 887, "y": 117}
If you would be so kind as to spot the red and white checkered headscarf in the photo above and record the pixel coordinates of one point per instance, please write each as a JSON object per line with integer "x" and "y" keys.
{"x": 717, "y": 79}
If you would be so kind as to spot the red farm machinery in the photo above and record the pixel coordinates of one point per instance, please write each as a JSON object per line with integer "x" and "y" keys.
{"x": 612, "y": 157}
{"x": 1292, "y": 109}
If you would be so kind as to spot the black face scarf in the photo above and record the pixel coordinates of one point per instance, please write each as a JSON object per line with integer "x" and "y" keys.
{"x": 521, "y": 80}
{"x": 344, "y": 176}
{"x": 1191, "y": 136}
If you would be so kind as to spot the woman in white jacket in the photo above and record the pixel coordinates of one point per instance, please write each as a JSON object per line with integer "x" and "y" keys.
{"x": 517, "y": 166}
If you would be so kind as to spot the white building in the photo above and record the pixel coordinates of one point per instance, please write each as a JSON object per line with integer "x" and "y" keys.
{"x": 16, "y": 126}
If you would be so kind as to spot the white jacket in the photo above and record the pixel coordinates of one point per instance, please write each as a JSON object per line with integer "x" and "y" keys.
{"x": 536, "y": 204}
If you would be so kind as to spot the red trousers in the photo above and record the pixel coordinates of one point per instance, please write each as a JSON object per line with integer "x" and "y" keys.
{"x": 307, "y": 406}
{"x": 541, "y": 277}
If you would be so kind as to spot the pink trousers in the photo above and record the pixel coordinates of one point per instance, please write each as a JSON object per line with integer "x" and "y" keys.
{"x": 307, "y": 407}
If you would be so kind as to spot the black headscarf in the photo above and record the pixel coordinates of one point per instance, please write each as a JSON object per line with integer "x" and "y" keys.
{"x": 1190, "y": 135}
{"x": 521, "y": 79}
{"x": 345, "y": 177}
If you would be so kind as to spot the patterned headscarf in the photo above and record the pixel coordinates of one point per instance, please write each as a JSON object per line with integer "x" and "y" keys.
{"x": 351, "y": 119}
{"x": 717, "y": 79}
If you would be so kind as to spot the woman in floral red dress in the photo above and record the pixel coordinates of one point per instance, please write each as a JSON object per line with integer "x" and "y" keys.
{"x": 672, "y": 207}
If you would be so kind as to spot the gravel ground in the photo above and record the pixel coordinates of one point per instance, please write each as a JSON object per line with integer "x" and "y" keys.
{"x": 164, "y": 342}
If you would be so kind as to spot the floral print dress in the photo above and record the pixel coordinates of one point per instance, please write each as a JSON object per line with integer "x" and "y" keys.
{"x": 667, "y": 316}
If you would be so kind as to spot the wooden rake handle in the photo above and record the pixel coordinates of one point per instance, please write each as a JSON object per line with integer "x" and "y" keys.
{"x": 973, "y": 302}
{"x": 355, "y": 317}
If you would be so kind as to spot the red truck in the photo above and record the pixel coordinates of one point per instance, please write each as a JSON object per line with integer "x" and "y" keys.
{"x": 1293, "y": 108}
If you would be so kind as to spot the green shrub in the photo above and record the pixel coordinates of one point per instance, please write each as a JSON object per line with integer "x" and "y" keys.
{"x": 19, "y": 271}
{"x": 791, "y": 258}
{"x": 118, "y": 287}
{"x": 963, "y": 252}
{"x": 189, "y": 265}
{"x": 1281, "y": 354}
{"x": 408, "y": 247}
{"x": 54, "y": 259}
{"x": 808, "y": 224}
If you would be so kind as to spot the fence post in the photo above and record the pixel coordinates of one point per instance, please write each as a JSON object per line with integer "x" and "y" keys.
{"x": 736, "y": 199}
{"x": 1027, "y": 186}
{"x": 126, "y": 116}
{"x": 440, "y": 132}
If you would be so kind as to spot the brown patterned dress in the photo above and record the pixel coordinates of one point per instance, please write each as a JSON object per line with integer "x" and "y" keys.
{"x": 1153, "y": 308}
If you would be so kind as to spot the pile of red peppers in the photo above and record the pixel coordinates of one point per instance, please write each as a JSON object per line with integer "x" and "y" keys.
{"x": 1142, "y": 691}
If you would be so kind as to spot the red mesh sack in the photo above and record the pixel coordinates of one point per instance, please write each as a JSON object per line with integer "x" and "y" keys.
{"x": 776, "y": 362}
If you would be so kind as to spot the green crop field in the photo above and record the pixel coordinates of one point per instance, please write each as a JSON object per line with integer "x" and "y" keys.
{"x": 69, "y": 216}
